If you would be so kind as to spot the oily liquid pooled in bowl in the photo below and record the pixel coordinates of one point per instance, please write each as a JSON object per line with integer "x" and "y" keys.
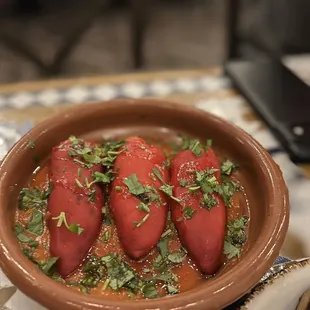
{"x": 188, "y": 275}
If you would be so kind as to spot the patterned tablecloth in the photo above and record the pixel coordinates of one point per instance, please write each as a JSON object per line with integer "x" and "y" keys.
{"x": 24, "y": 105}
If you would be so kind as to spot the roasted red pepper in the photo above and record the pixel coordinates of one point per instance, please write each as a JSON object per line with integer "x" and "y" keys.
{"x": 138, "y": 206}
{"x": 72, "y": 202}
{"x": 201, "y": 228}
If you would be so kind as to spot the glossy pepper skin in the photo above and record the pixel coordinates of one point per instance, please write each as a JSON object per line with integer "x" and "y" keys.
{"x": 139, "y": 158}
{"x": 202, "y": 234}
{"x": 78, "y": 206}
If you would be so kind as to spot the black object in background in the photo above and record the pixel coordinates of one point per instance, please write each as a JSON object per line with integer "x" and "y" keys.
{"x": 280, "y": 98}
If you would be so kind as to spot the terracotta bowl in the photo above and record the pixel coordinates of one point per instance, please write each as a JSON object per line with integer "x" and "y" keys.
{"x": 262, "y": 179}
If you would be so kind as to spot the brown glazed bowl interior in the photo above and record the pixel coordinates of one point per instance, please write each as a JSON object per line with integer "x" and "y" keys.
{"x": 262, "y": 179}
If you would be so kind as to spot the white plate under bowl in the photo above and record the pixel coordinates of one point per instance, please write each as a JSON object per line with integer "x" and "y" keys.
{"x": 283, "y": 290}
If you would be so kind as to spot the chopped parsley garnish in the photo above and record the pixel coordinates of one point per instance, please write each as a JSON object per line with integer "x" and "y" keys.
{"x": 33, "y": 198}
{"x": 100, "y": 177}
{"x": 119, "y": 273}
{"x": 176, "y": 257}
{"x": 74, "y": 227}
{"x": 111, "y": 150}
{"x": 149, "y": 291}
{"x": 35, "y": 224}
{"x": 115, "y": 273}
{"x": 172, "y": 289}
{"x": 79, "y": 172}
{"x": 140, "y": 223}
{"x": 196, "y": 147}
{"x": 31, "y": 144}
{"x": 192, "y": 144}
{"x": 166, "y": 233}
{"x": 107, "y": 236}
{"x": 78, "y": 183}
{"x": 182, "y": 182}
{"x": 188, "y": 212}
{"x": 209, "y": 201}
{"x": 106, "y": 217}
{"x": 146, "y": 194}
{"x": 19, "y": 230}
{"x": 236, "y": 237}
{"x": 209, "y": 143}
{"x": 82, "y": 288}
{"x": 208, "y": 184}
{"x": 227, "y": 167}
{"x": 143, "y": 207}
{"x": 48, "y": 265}
{"x": 162, "y": 246}
{"x": 88, "y": 155}
{"x": 165, "y": 188}
{"x": 92, "y": 195}
{"x": 134, "y": 185}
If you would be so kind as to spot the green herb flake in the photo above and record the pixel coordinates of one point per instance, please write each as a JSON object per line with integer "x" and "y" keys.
{"x": 35, "y": 224}
{"x": 33, "y": 243}
{"x": 119, "y": 272}
{"x": 74, "y": 227}
{"x": 236, "y": 237}
{"x": 228, "y": 190}
{"x": 105, "y": 284}
{"x": 209, "y": 143}
{"x": 48, "y": 265}
{"x": 227, "y": 167}
{"x": 33, "y": 198}
{"x": 107, "y": 236}
{"x": 140, "y": 223}
{"x": 19, "y": 230}
{"x": 172, "y": 289}
{"x": 82, "y": 163}
{"x": 78, "y": 183}
{"x": 182, "y": 182}
{"x": 92, "y": 159}
{"x": 165, "y": 188}
{"x": 90, "y": 281}
{"x": 209, "y": 201}
{"x": 143, "y": 207}
{"x": 162, "y": 246}
{"x": 57, "y": 277}
{"x": 134, "y": 185}
{"x": 166, "y": 233}
{"x": 82, "y": 288}
{"x": 149, "y": 291}
{"x": 31, "y": 144}
{"x": 194, "y": 188}
{"x": 176, "y": 257}
{"x": 99, "y": 177}
{"x": 158, "y": 175}
{"x": 92, "y": 195}
{"x": 106, "y": 218}
{"x": 209, "y": 185}
{"x": 23, "y": 238}
{"x": 188, "y": 212}
{"x": 230, "y": 250}
{"x": 29, "y": 254}
{"x": 196, "y": 147}
{"x": 79, "y": 172}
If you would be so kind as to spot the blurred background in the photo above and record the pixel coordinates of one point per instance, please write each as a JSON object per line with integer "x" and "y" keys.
{"x": 66, "y": 38}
